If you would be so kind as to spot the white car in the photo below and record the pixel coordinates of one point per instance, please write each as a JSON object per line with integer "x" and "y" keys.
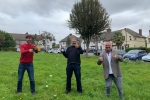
{"x": 51, "y": 51}
{"x": 18, "y": 49}
{"x": 57, "y": 51}
{"x": 146, "y": 58}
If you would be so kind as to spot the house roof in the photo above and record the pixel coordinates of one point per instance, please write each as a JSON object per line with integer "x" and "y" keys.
{"x": 70, "y": 36}
{"x": 20, "y": 37}
{"x": 109, "y": 36}
{"x": 133, "y": 33}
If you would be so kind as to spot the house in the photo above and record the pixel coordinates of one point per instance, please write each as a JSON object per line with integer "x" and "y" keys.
{"x": 20, "y": 38}
{"x": 148, "y": 40}
{"x": 63, "y": 42}
{"x": 131, "y": 38}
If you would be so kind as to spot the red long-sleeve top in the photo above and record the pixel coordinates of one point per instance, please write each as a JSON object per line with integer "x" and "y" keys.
{"x": 26, "y": 56}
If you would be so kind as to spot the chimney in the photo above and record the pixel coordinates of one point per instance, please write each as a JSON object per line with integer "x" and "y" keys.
{"x": 140, "y": 32}
{"x": 70, "y": 34}
{"x": 109, "y": 30}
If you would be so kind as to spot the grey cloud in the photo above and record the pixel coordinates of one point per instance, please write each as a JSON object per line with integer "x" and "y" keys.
{"x": 52, "y": 15}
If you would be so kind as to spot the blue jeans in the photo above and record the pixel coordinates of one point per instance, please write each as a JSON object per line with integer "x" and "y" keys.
{"x": 69, "y": 71}
{"x": 22, "y": 68}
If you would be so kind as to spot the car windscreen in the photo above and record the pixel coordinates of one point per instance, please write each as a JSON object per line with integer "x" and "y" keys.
{"x": 133, "y": 52}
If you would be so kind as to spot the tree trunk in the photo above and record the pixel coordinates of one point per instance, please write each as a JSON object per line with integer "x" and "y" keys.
{"x": 87, "y": 48}
{"x": 96, "y": 46}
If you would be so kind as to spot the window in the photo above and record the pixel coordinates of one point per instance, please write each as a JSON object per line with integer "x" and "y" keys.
{"x": 123, "y": 38}
{"x": 148, "y": 40}
{"x": 64, "y": 43}
{"x": 130, "y": 38}
{"x": 134, "y": 38}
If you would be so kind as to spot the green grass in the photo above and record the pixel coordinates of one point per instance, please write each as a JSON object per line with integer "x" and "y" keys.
{"x": 136, "y": 79}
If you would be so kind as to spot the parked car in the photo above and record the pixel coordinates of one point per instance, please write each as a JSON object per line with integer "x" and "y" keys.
{"x": 51, "y": 51}
{"x": 146, "y": 58}
{"x": 121, "y": 52}
{"x": 135, "y": 55}
{"x": 97, "y": 53}
{"x": 18, "y": 49}
{"x": 91, "y": 50}
{"x": 58, "y": 51}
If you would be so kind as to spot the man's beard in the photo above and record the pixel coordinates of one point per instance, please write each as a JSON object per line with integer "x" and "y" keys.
{"x": 108, "y": 50}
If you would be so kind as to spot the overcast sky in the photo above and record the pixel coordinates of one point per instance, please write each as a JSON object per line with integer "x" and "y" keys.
{"x": 32, "y": 16}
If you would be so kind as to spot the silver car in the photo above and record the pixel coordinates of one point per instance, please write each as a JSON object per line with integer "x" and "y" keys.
{"x": 146, "y": 57}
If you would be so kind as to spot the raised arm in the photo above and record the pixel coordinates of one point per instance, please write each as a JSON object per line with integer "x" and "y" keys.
{"x": 80, "y": 51}
{"x": 65, "y": 53}
{"x": 22, "y": 50}
{"x": 100, "y": 59}
{"x": 119, "y": 57}
{"x": 35, "y": 49}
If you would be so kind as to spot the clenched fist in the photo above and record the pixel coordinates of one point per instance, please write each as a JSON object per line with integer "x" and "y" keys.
{"x": 101, "y": 58}
{"x": 30, "y": 50}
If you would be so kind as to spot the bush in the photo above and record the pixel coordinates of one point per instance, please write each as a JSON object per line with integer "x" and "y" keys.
{"x": 148, "y": 50}
{"x": 9, "y": 49}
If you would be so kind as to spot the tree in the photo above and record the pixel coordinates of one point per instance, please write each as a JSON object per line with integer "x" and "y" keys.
{"x": 6, "y": 39}
{"x": 46, "y": 37}
{"x": 68, "y": 41}
{"x": 118, "y": 39}
{"x": 2, "y": 38}
{"x": 88, "y": 18}
{"x": 54, "y": 45}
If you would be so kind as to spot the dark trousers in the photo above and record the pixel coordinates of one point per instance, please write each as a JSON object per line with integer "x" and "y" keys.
{"x": 22, "y": 68}
{"x": 69, "y": 71}
{"x": 118, "y": 83}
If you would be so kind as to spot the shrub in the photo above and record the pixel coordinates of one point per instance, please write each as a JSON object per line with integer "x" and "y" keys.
{"x": 9, "y": 49}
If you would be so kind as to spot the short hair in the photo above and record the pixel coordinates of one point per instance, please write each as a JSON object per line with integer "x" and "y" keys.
{"x": 73, "y": 39}
{"x": 29, "y": 36}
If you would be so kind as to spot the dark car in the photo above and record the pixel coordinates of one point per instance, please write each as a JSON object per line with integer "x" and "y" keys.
{"x": 97, "y": 53}
{"x": 135, "y": 55}
{"x": 92, "y": 50}
{"x": 121, "y": 52}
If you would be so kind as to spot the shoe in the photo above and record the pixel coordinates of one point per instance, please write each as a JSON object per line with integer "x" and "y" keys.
{"x": 66, "y": 92}
{"x": 33, "y": 93}
{"x": 18, "y": 92}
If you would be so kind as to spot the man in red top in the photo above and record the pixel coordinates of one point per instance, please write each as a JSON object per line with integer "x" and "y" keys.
{"x": 26, "y": 63}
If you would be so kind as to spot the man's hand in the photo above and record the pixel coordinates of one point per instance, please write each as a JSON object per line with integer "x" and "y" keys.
{"x": 31, "y": 50}
{"x": 77, "y": 45}
{"x": 115, "y": 56}
{"x": 101, "y": 58}
{"x": 35, "y": 48}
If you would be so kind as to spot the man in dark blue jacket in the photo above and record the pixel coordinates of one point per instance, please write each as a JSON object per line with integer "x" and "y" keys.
{"x": 73, "y": 64}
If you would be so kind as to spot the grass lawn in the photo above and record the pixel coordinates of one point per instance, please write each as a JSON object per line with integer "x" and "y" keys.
{"x": 50, "y": 78}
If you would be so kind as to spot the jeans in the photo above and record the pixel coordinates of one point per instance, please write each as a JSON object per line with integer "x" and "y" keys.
{"x": 118, "y": 83}
{"x": 69, "y": 71}
{"x": 30, "y": 70}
